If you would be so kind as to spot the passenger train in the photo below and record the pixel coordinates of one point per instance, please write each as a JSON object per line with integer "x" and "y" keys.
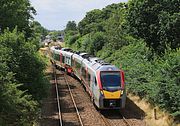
{"x": 104, "y": 82}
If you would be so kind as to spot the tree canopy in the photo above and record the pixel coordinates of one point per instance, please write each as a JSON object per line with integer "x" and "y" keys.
{"x": 16, "y": 13}
{"x": 71, "y": 25}
{"x": 155, "y": 21}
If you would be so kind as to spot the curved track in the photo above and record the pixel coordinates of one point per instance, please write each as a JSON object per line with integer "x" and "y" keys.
{"x": 69, "y": 87}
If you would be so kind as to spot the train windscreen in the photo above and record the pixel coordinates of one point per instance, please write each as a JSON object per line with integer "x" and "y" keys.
{"x": 110, "y": 79}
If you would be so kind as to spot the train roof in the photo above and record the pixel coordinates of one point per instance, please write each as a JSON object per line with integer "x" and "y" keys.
{"x": 90, "y": 61}
{"x": 67, "y": 53}
{"x": 82, "y": 54}
{"x": 96, "y": 63}
{"x": 67, "y": 49}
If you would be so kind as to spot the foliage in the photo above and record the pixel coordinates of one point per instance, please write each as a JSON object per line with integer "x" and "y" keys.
{"x": 81, "y": 43}
{"x": 39, "y": 31}
{"x": 169, "y": 66}
{"x": 95, "y": 20}
{"x": 22, "y": 79}
{"x": 71, "y": 26}
{"x": 55, "y": 34}
{"x": 155, "y": 21}
{"x": 72, "y": 39}
{"x": 98, "y": 40}
{"x": 25, "y": 62}
{"x": 90, "y": 22}
{"x": 114, "y": 29}
{"x": 16, "y": 13}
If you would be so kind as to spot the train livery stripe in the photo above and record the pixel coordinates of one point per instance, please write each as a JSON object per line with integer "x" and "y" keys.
{"x": 99, "y": 80}
{"x": 112, "y": 95}
{"x": 61, "y": 57}
{"x": 122, "y": 79}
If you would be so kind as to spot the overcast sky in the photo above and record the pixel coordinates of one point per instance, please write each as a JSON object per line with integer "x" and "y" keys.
{"x": 54, "y": 14}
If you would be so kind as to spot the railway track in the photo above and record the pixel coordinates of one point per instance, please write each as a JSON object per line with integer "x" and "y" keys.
{"x": 125, "y": 120}
{"x": 115, "y": 118}
{"x": 66, "y": 117}
{"x": 89, "y": 115}
{"x": 107, "y": 123}
{"x": 57, "y": 97}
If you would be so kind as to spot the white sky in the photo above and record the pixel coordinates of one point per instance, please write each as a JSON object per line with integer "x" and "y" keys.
{"x": 54, "y": 14}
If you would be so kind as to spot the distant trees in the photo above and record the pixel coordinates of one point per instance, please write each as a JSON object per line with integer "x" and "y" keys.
{"x": 71, "y": 25}
{"x": 38, "y": 30}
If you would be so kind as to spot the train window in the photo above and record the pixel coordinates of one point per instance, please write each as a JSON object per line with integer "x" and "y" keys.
{"x": 110, "y": 79}
{"x": 89, "y": 79}
{"x": 78, "y": 65}
{"x": 73, "y": 62}
{"x": 84, "y": 73}
{"x": 57, "y": 57}
{"x": 95, "y": 81}
{"x": 62, "y": 59}
{"x": 68, "y": 60}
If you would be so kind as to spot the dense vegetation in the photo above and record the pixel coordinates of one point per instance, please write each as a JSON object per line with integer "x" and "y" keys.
{"x": 22, "y": 80}
{"x": 143, "y": 36}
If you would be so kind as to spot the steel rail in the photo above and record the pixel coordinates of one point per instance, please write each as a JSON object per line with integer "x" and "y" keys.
{"x": 57, "y": 97}
{"x": 107, "y": 123}
{"x": 77, "y": 111}
{"x": 125, "y": 120}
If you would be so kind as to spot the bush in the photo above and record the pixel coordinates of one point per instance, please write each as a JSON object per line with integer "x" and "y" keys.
{"x": 73, "y": 39}
{"x": 22, "y": 79}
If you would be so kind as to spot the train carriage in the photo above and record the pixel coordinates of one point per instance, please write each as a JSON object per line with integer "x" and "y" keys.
{"x": 76, "y": 64}
{"x": 103, "y": 81}
{"x": 88, "y": 75}
{"x": 67, "y": 53}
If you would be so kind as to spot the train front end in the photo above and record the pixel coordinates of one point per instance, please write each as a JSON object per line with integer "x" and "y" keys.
{"x": 112, "y": 89}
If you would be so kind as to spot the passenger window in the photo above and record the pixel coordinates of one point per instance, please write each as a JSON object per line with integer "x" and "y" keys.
{"x": 89, "y": 79}
{"x": 95, "y": 81}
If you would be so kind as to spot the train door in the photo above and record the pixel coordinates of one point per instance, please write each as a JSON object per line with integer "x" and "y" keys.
{"x": 95, "y": 91}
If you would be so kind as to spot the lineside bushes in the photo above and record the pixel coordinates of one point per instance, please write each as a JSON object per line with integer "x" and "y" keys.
{"x": 23, "y": 84}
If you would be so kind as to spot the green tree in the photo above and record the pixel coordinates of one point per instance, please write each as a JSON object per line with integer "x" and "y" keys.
{"x": 71, "y": 25}
{"x": 114, "y": 27}
{"x": 16, "y": 13}
{"x": 25, "y": 63}
{"x": 38, "y": 30}
{"x": 16, "y": 107}
{"x": 98, "y": 40}
{"x": 91, "y": 22}
{"x": 155, "y": 21}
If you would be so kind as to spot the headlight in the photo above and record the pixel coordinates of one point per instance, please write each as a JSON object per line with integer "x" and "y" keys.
{"x": 102, "y": 92}
{"x": 122, "y": 92}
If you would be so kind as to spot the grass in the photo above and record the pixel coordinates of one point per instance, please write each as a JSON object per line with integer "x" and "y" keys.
{"x": 163, "y": 118}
